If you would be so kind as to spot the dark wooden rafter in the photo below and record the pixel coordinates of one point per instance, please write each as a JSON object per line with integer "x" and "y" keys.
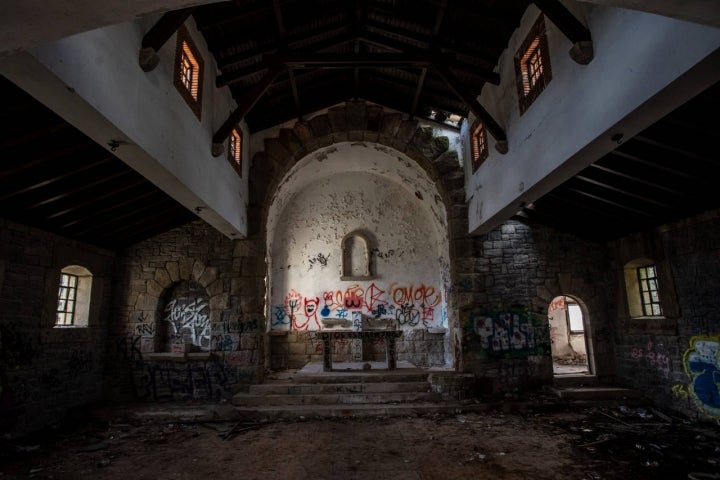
{"x": 357, "y": 16}
{"x": 570, "y": 26}
{"x": 399, "y": 46}
{"x": 79, "y": 188}
{"x": 491, "y": 125}
{"x": 95, "y": 199}
{"x": 606, "y": 201}
{"x": 252, "y": 69}
{"x": 344, "y": 60}
{"x": 676, "y": 172}
{"x": 439, "y": 42}
{"x": 277, "y": 10}
{"x": 156, "y": 37}
{"x": 606, "y": 186}
{"x": 633, "y": 178}
{"x": 304, "y": 38}
{"x": 423, "y": 73}
{"x": 244, "y": 106}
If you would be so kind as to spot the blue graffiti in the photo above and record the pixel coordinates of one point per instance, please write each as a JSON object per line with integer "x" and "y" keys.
{"x": 342, "y": 313}
{"x": 280, "y": 317}
{"x": 325, "y": 312}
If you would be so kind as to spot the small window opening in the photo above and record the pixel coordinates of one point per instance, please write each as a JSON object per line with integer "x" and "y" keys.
{"x": 532, "y": 65}
{"x": 73, "y": 298}
{"x": 649, "y": 295}
{"x": 235, "y": 150}
{"x": 479, "y": 146}
{"x": 67, "y": 294}
{"x": 188, "y": 71}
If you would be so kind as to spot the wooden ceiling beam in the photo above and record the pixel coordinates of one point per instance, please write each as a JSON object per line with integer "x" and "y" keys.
{"x": 79, "y": 188}
{"x": 33, "y": 135}
{"x": 576, "y": 32}
{"x": 237, "y": 75}
{"x": 606, "y": 201}
{"x": 344, "y": 60}
{"x": 69, "y": 173}
{"x": 492, "y": 126}
{"x": 277, "y": 9}
{"x": 160, "y": 33}
{"x": 95, "y": 199}
{"x": 119, "y": 206}
{"x": 639, "y": 180}
{"x": 427, "y": 40}
{"x": 621, "y": 191}
{"x": 656, "y": 166}
{"x": 423, "y": 73}
{"x": 398, "y": 46}
{"x": 244, "y": 106}
{"x": 52, "y": 155}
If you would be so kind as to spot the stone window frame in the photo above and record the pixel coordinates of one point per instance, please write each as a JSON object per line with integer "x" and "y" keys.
{"x": 79, "y": 295}
{"x": 191, "y": 88}
{"x": 530, "y": 79}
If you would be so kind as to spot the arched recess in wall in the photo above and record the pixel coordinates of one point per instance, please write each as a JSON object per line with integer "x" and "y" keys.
{"x": 368, "y": 126}
{"x": 379, "y": 203}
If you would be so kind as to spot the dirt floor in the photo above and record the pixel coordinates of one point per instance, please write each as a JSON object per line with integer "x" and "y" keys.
{"x": 609, "y": 442}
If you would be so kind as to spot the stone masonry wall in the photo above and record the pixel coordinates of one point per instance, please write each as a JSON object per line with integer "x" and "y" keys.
{"x": 526, "y": 266}
{"x": 45, "y": 371}
{"x": 675, "y": 361}
{"x": 216, "y": 343}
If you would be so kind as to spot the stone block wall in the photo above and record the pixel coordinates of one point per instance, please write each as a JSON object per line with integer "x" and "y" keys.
{"x": 526, "y": 266}
{"x": 674, "y": 360}
{"x": 225, "y": 323}
{"x": 47, "y": 370}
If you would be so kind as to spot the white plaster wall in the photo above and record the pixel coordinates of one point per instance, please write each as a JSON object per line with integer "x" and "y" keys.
{"x": 569, "y": 126}
{"x": 348, "y": 187}
{"x": 107, "y": 96}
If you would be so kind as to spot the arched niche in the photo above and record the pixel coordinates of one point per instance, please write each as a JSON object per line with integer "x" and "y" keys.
{"x": 357, "y": 248}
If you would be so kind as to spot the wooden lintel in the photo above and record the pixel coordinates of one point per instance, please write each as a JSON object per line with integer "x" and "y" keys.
{"x": 571, "y": 27}
{"x": 156, "y": 37}
{"x": 247, "y": 103}
{"x": 492, "y": 126}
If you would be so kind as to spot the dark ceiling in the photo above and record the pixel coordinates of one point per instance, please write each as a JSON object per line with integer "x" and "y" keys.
{"x": 55, "y": 178}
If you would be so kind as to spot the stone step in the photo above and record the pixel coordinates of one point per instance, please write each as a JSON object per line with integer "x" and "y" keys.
{"x": 579, "y": 380}
{"x": 375, "y": 377}
{"x": 593, "y": 393}
{"x": 338, "y": 388}
{"x": 249, "y": 400}
{"x": 300, "y": 412}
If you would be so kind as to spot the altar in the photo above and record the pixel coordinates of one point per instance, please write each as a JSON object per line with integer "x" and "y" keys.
{"x": 328, "y": 338}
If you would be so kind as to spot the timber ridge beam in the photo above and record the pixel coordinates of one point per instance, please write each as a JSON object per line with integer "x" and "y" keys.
{"x": 156, "y": 37}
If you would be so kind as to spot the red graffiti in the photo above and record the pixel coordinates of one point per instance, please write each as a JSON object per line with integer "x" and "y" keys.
{"x": 310, "y": 310}
{"x": 421, "y": 293}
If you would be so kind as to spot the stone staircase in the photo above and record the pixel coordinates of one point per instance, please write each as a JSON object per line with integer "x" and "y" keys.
{"x": 310, "y": 392}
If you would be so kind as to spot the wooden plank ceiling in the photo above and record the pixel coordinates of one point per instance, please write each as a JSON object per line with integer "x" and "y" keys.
{"x": 55, "y": 178}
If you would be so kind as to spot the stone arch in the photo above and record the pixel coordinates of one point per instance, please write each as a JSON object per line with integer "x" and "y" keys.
{"x": 595, "y": 321}
{"x": 147, "y": 313}
{"x": 357, "y": 121}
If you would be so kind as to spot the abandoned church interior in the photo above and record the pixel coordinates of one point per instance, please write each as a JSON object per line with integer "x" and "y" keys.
{"x": 509, "y": 196}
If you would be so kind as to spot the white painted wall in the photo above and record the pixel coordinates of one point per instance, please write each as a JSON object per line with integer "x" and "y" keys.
{"x": 93, "y": 80}
{"x": 29, "y": 23}
{"x": 340, "y": 189}
{"x": 637, "y": 76}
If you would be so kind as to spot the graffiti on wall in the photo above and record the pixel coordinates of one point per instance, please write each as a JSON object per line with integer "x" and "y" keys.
{"x": 702, "y": 365}
{"x": 505, "y": 333}
{"x": 411, "y": 305}
{"x": 654, "y": 355}
{"x": 189, "y": 319}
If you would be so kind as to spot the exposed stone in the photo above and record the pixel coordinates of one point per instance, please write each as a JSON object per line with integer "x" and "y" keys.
{"x": 154, "y": 288}
{"x": 163, "y": 277}
{"x": 277, "y": 153}
{"x": 374, "y": 117}
{"x": 320, "y": 125}
{"x": 208, "y": 276}
{"x": 405, "y": 132}
{"x": 197, "y": 270}
{"x": 356, "y": 116}
{"x": 292, "y": 143}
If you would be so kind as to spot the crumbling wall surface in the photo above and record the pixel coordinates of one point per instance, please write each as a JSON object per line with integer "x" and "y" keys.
{"x": 47, "y": 370}
{"x": 675, "y": 359}
{"x": 504, "y": 291}
{"x": 188, "y": 320}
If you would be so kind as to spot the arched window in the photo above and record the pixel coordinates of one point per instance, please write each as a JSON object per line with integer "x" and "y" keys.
{"x": 73, "y": 305}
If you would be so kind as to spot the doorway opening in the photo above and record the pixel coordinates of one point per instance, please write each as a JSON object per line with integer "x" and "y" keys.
{"x": 568, "y": 342}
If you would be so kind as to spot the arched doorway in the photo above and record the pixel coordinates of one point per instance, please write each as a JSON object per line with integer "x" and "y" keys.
{"x": 568, "y": 341}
